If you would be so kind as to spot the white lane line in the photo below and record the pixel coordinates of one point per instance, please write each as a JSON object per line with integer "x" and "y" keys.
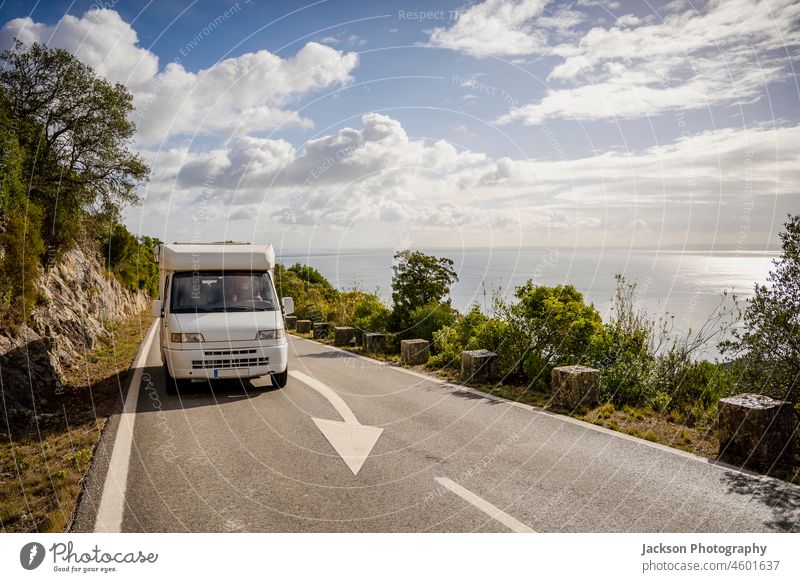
{"x": 112, "y": 501}
{"x": 352, "y": 440}
{"x": 492, "y": 511}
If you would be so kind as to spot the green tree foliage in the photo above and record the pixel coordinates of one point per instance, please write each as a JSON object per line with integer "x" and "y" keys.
{"x": 769, "y": 342}
{"x": 65, "y": 172}
{"x": 311, "y": 299}
{"x": 427, "y": 319}
{"x": 21, "y": 245}
{"x": 131, "y": 259}
{"x": 361, "y": 310}
{"x": 471, "y": 331}
{"x": 316, "y": 299}
{"x": 310, "y": 276}
{"x": 551, "y": 326}
{"x": 418, "y": 280}
{"x": 75, "y": 127}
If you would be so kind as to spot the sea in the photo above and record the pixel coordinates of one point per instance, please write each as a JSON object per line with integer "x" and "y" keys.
{"x": 687, "y": 286}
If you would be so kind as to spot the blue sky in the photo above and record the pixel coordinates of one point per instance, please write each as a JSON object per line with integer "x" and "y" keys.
{"x": 391, "y": 124}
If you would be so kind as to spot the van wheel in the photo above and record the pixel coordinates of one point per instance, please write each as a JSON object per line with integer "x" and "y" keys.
{"x": 170, "y": 382}
{"x": 279, "y": 380}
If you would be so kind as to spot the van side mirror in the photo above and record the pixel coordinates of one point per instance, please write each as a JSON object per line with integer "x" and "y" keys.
{"x": 288, "y": 305}
{"x": 157, "y": 308}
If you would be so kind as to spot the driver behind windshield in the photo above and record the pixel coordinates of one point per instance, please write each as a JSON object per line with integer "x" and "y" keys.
{"x": 239, "y": 290}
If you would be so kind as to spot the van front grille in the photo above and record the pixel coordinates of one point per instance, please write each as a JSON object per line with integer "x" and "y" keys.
{"x": 229, "y": 363}
{"x": 239, "y": 352}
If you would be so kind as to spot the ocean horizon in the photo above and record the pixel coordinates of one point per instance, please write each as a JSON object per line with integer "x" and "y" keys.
{"x": 687, "y": 285}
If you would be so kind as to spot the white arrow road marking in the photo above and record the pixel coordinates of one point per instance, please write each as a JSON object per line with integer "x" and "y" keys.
{"x": 351, "y": 439}
{"x": 112, "y": 500}
{"x": 486, "y": 507}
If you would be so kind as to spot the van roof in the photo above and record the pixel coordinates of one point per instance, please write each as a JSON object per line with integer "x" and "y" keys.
{"x": 200, "y": 256}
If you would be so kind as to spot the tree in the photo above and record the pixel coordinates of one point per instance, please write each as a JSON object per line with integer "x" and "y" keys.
{"x": 75, "y": 128}
{"x": 311, "y": 276}
{"x": 21, "y": 245}
{"x": 418, "y": 280}
{"x": 551, "y": 326}
{"x": 768, "y": 345}
{"x": 131, "y": 259}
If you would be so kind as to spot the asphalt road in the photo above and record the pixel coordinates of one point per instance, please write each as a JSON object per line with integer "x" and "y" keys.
{"x": 448, "y": 459}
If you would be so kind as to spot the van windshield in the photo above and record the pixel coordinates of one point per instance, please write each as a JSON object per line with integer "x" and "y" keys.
{"x": 222, "y": 291}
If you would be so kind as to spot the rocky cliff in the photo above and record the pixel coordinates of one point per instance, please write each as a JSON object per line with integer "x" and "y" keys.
{"x": 79, "y": 301}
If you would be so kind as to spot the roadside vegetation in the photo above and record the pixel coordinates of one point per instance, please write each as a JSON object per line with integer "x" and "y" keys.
{"x": 66, "y": 171}
{"x": 655, "y": 383}
{"x": 43, "y": 463}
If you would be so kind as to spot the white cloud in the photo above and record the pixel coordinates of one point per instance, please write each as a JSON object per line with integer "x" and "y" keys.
{"x": 495, "y": 27}
{"x": 685, "y": 60}
{"x": 377, "y": 174}
{"x": 244, "y": 94}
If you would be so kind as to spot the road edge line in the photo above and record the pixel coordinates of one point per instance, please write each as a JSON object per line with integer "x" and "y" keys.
{"x": 575, "y": 421}
{"x": 112, "y": 499}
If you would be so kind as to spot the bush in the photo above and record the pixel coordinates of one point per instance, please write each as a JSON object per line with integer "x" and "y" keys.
{"x": 316, "y": 299}
{"x": 472, "y": 331}
{"x": 551, "y": 326}
{"x": 130, "y": 259}
{"x": 626, "y": 352}
{"x": 428, "y": 319}
{"x": 768, "y": 342}
{"x": 448, "y": 342}
{"x": 361, "y": 310}
{"x": 311, "y": 300}
{"x": 311, "y": 277}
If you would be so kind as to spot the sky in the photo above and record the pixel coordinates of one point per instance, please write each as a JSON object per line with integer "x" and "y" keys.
{"x": 351, "y": 125}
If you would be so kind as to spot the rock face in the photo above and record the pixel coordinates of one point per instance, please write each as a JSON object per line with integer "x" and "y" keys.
{"x": 321, "y": 330}
{"x": 375, "y": 343}
{"x": 291, "y": 321}
{"x": 478, "y": 365}
{"x": 303, "y": 325}
{"x": 415, "y": 351}
{"x": 343, "y": 336}
{"x": 755, "y": 431}
{"x": 575, "y": 386}
{"x": 78, "y": 303}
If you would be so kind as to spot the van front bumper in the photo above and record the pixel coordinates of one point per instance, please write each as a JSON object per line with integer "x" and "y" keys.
{"x": 218, "y": 362}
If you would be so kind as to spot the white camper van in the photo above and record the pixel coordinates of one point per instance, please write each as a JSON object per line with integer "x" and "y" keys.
{"x": 220, "y": 316}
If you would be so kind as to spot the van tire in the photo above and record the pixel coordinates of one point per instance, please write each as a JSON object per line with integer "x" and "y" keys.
{"x": 170, "y": 382}
{"x": 279, "y": 380}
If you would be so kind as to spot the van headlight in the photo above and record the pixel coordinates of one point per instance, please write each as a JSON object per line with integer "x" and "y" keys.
{"x": 186, "y": 338}
{"x": 267, "y": 334}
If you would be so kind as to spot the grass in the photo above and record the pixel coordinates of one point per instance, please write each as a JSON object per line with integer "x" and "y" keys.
{"x": 43, "y": 463}
{"x": 644, "y": 423}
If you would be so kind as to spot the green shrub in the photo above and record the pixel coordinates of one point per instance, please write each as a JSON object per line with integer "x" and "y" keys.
{"x": 550, "y": 326}
{"x": 473, "y": 331}
{"x": 361, "y": 310}
{"x": 130, "y": 259}
{"x": 310, "y": 276}
{"x": 20, "y": 268}
{"x": 428, "y": 319}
